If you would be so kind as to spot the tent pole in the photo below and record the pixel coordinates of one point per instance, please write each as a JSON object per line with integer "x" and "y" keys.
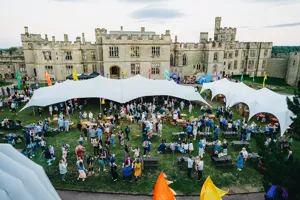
{"x": 66, "y": 109}
{"x": 100, "y": 104}
{"x": 33, "y": 110}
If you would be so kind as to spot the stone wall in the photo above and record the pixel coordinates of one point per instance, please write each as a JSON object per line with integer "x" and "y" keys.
{"x": 277, "y": 67}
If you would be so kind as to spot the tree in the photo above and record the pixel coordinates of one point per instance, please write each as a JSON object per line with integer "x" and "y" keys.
{"x": 11, "y": 50}
{"x": 294, "y": 107}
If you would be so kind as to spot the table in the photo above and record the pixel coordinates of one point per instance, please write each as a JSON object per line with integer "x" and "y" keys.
{"x": 224, "y": 161}
{"x": 87, "y": 123}
{"x": 204, "y": 134}
{"x": 230, "y": 134}
{"x": 183, "y": 115}
{"x": 239, "y": 143}
{"x": 253, "y": 156}
{"x": 181, "y": 134}
{"x": 180, "y": 120}
{"x": 211, "y": 116}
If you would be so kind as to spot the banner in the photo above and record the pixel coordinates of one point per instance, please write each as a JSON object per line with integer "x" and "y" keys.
{"x": 75, "y": 77}
{"x": 162, "y": 190}
{"x": 47, "y": 77}
{"x": 149, "y": 73}
{"x": 18, "y": 75}
{"x": 210, "y": 192}
{"x": 242, "y": 77}
{"x": 265, "y": 78}
{"x": 167, "y": 75}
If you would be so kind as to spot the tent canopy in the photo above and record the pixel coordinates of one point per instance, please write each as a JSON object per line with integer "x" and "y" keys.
{"x": 121, "y": 91}
{"x": 21, "y": 178}
{"x": 258, "y": 101}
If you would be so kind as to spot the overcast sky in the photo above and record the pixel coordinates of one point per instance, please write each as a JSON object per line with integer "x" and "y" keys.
{"x": 276, "y": 21}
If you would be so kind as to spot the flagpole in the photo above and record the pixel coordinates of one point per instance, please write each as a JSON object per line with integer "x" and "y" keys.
{"x": 100, "y": 104}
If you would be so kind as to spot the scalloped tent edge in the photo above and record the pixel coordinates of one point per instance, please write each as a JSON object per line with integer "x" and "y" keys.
{"x": 22, "y": 178}
{"x": 258, "y": 101}
{"x": 121, "y": 91}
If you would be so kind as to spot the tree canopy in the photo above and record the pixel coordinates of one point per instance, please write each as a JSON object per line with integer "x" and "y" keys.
{"x": 285, "y": 49}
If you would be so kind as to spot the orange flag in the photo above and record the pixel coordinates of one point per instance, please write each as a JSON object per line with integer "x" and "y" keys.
{"x": 46, "y": 75}
{"x": 162, "y": 190}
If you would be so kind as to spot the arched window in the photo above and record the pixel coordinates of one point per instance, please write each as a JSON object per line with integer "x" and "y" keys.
{"x": 198, "y": 66}
{"x": 215, "y": 68}
{"x": 184, "y": 60}
{"x": 216, "y": 56}
{"x": 171, "y": 60}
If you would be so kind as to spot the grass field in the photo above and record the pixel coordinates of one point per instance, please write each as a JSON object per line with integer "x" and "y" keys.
{"x": 2, "y": 83}
{"x": 249, "y": 179}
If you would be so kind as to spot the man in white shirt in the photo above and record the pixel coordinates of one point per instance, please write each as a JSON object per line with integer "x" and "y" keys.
{"x": 182, "y": 105}
{"x": 199, "y": 168}
{"x": 190, "y": 166}
{"x": 245, "y": 153}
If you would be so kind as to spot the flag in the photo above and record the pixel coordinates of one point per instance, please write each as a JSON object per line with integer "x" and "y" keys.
{"x": 162, "y": 190}
{"x": 18, "y": 75}
{"x": 46, "y": 75}
{"x": 242, "y": 77}
{"x": 75, "y": 77}
{"x": 149, "y": 73}
{"x": 265, "y": 78}
{"x": 103, "y": 101}
{"x": 167, "y": 75}
{"x": 210, "y": 192}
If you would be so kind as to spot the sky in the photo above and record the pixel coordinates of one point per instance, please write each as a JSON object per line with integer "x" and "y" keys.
{"x": 276, "y": 21}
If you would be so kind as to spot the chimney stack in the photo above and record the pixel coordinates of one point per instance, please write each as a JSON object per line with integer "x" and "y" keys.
{"x": 143, "y": 29}
{"x": 167, "y": 32}
{"x": 53, "y": 38}
{"x": 46, "y": 37}
{"x": 78, "y": 39}
{"x": 83, "y": 38}
{"x": 176, "y": 39}
{"x": 26, "y": 30}
{"x": 121, "y": 28}
{"x": 66, "y": 38}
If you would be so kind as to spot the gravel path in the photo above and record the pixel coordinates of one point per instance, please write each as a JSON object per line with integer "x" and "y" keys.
{"x": 71, "y": 195}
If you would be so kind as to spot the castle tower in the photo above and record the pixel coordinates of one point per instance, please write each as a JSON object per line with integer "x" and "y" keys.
{"x": 203, "y": 37}
{"x": 217, "y": 27}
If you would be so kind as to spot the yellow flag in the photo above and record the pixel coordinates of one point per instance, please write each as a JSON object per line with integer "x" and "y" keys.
{"x": 210, "y": 192}
{"x": 75, "y": 77}
{"x": 265, "y": 78}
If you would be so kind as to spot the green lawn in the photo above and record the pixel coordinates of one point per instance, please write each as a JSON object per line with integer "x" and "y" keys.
{"x": 2, "y": 83}
{"x": 248, "y": 179}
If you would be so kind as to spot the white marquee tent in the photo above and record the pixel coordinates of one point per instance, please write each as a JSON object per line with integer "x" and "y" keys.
{"x": 258, "y": 101}
{"x": 21, "y": 178}
{"x": 121, "y": 91}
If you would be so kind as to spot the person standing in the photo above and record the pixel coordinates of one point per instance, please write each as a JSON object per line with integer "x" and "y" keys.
{"x": 127, "y": 131}
{"x": 127, "y": 173}
{"x": 190, "y": 166}
{"x": 113, "y": 170}
{"x": 67, "y": 125}
{"x": 201, "y": 149}
{"x": 62, "y": 169}
{"x": 137, "y": 169}
{"x": 240, "y": 162}
{"x": 199, "y": 168}
{"x": 60, "y": 124}
{"x": 112, "y": 139}
{"x": 81, "y": 171}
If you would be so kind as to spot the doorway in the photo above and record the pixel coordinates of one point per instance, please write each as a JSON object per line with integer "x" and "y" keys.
{"x": 114, "y": 72}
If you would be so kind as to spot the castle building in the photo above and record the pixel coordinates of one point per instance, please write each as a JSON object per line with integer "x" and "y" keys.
{"x": 10, "y": 63}
{"x": 121, "y": 54}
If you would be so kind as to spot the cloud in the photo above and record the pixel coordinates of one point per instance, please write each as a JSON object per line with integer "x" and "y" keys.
{"x": 283, "y": 25}
{"x": 277, "y": 2}
{"x": 243, "y": 27}
{"x": 156, "y": 13}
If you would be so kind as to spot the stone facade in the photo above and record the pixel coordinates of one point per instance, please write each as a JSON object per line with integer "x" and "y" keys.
{"x": 126, "y": 53}
{"x": 10, "y": 63}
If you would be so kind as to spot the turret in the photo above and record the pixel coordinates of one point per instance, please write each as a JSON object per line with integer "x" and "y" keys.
{"x": 66, "y": 38}
{"x": 53, "y": 38}
{"x": 203, "y": 37}
{"x": 26, "y": 30}
{"x": 83, "y": 38}
{"x": 46, "y": 37}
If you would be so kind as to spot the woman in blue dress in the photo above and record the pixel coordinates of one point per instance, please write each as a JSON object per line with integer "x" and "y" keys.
{"x": 240, "y": 162}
